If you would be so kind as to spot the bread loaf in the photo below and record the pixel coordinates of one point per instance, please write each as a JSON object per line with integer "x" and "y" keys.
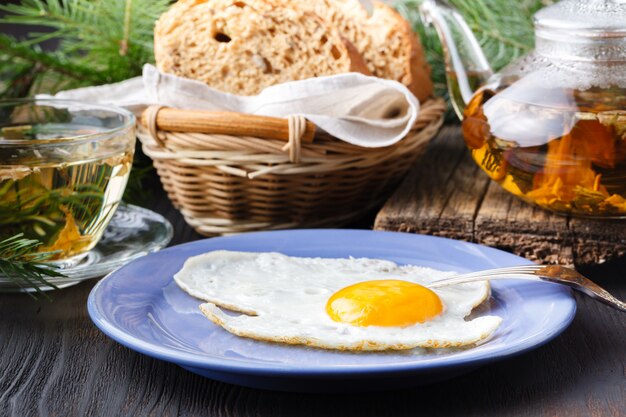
{"x": 243, "y": 46}
{"x": 385, "y": 40}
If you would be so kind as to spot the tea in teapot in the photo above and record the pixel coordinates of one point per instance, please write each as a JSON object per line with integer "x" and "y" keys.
{"x": 570, "y": 161}
{"x": 551, "y": 127}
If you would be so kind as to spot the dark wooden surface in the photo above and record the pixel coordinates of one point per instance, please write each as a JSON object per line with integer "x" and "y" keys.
{"x": 447, "y": 194}
{"x": 54, "y": 362}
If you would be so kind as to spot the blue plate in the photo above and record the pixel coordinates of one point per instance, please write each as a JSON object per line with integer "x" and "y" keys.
{"x": 141, "y": 307}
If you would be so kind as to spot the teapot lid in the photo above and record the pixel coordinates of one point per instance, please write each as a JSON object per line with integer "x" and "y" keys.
{"x": 584, "y": 18}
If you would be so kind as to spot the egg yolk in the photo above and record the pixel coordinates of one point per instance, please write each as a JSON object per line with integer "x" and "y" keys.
{"x": 384, "y": 303}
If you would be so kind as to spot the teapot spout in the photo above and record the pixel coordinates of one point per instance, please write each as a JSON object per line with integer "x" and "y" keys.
{"x": 466, "y": 66}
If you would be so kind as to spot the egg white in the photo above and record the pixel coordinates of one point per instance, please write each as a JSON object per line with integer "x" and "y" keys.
{"x": 283, "y": 299}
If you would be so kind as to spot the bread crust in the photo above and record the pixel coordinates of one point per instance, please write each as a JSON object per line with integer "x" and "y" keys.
{"x": 389, "y": 46}
{"x": 243, "y": 46}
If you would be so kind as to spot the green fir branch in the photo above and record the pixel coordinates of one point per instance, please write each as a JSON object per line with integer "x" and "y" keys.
{"x": 49, "y": 60}
{"x": 25, "y": 267}
{"x": 99, "y": 41}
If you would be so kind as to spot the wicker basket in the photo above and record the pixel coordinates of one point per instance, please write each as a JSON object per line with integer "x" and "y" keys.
{"x": 237, "y": 180}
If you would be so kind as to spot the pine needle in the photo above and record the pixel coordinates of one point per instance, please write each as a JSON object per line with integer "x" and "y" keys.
{"x": 24, "y": 267}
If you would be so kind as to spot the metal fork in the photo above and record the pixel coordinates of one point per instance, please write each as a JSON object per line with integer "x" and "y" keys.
{"x": 550, "y": 273}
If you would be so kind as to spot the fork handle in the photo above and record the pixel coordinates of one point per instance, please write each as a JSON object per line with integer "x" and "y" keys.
{"x": 578, "y": 282}
{"x": 553, "y": 274}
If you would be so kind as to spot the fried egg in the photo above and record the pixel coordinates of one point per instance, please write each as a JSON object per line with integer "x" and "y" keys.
{"x": 345, "y": 304}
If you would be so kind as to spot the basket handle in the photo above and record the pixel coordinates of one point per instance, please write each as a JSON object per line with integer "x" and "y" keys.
{"x": 224, "y": 123}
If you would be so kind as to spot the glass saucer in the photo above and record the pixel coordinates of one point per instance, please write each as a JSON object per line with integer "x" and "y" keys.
{"x": 133, "y": 232}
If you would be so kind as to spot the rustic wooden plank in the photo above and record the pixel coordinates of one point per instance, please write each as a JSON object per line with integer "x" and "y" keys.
{"x": 447, "y": 195}
{"x": 442, "y": 204}
{"x": 506, "y": 222}
{"x": 597, "y": 241}
{"x": 465, "y": 190}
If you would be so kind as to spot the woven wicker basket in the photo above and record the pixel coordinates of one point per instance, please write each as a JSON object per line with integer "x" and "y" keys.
{"x": 243, "y": 181}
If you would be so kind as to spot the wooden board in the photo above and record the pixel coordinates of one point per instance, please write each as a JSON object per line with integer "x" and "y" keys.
{"x": 446, "y": 194}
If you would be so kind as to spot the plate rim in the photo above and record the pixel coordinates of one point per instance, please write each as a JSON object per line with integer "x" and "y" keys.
{"x": 251, "y": 367}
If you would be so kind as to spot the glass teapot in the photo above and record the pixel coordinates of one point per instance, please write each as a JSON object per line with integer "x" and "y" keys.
{"x": 551, "y": 127}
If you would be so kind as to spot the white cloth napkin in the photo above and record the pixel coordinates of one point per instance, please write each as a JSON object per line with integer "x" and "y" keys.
{"x": 361, "y": 110}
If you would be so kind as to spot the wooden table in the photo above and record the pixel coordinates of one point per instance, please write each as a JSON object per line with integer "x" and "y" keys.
{"x": 54, "y": 362}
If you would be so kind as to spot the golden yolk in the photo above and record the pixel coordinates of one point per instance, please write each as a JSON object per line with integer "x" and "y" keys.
{"x": 384, "y": 303}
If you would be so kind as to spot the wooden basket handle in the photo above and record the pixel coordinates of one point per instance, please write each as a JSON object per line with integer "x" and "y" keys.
{"x": 225, "y": 123}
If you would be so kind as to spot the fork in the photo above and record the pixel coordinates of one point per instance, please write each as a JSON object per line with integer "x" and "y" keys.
{"x": 550, "y": 273}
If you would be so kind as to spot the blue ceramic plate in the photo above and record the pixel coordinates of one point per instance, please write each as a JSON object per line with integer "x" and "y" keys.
{"x": 141, "y": 307}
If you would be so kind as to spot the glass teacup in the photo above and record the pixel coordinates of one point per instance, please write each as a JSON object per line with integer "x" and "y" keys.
{"x": 64, "y": 166}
